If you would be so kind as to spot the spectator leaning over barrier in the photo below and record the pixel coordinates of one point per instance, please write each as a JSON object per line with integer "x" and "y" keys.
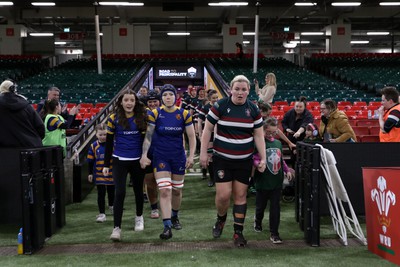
{"x": 335, "y": 126}
{"x": 295, "y": 121}
{"x": 22, "y": 126}
{"x": 389, "y": 116}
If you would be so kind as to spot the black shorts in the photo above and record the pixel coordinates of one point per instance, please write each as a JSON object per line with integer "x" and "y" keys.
{"x": 226, "y": 170}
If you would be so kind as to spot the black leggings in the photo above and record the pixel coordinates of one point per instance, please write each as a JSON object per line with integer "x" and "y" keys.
{"x": 274, "y": 196}
{"x": 121, "y": 168}
{"x": 101, "y": 195}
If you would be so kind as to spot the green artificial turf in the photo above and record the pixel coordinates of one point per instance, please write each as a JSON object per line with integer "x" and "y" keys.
{"x": 308, "y": 257}
{"x": 197, "y": 216}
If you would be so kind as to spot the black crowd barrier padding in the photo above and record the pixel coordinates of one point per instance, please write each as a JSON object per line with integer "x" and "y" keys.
{"x": 32, "y": 192}
{"x": 308, "y": 177}
{"x": 351, "y": 158}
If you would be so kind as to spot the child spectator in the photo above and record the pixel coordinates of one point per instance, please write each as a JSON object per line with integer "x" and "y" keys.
{"x": 104, "y": 184}
{"x": 55, "y": 125}
{"x": 312, "y": 134}
{"x": 269, "y": 183}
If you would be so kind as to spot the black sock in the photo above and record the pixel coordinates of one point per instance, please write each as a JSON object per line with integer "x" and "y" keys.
{"x": 222, "y": 218}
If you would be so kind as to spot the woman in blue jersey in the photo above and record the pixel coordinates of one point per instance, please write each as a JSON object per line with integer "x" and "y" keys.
{"x": 239, "y": 130}
{"x": 169, "y": 159}
{"x": 124, "y": 144}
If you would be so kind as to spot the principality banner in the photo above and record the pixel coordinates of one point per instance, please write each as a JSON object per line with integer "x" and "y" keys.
{"x": 382, "y": 211}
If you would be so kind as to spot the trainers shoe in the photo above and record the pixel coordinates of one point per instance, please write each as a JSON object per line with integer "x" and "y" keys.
{"x": 276, "y": 239}
{"x": 239, "y": 240}
{"x": 111, "y": 210}
{"x": 154, "y": 214}
{"x": 257, "y": 226}
{"x": 116, "y": 234}
{"x": 175, "y": 223}
{"x": 166, "y": 234}
{"x": 139, "y": 223}
{"x": 217, "y": 228}
{"x": 210, "y": 184}
{"x": 145, "y": 198}
{"x": 101, "y": 218}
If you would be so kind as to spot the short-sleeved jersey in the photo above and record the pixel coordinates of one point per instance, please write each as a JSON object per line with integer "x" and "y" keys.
{"x": 236, "y": 123}
{"x": 203, "y": 111}
{"x": 190, "y": 103}
{"x": 169, "y": 127}
{"x": 127, "y": 142}
{"x": 96, "y": 155}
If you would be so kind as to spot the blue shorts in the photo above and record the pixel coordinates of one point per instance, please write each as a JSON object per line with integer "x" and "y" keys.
{"x": 172, "y": 165}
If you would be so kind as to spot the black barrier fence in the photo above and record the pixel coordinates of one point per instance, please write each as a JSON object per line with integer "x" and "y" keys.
{"x": 32, "y": 193}
{"x": 350, "y": 159}
{"x": 308, "y": 177}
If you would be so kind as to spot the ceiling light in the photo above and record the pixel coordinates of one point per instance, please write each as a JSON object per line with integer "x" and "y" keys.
{"x": 359, "y": 42}
{"x": 246, "y": 42}
{"x": 249, "y": 33}
{"x": 43, "y": 4}
{"x": 378, "y": 33}
{"x": 60, "y": 43}
{"x": 346, "y": 3}
{"x": 305, "y": 4}
{"x": 41, "y": 34}
{"x": 389, "y": 3}
{"x": 228, "y": 4}
{"x": 312, "y": 33}
{"x": 178, "y": 33}
{"x": 120, "y": 4}
{"x": 301, "y": 42}
{"x": 6, "y": 3}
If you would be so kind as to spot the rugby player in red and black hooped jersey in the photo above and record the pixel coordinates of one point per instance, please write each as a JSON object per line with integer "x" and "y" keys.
{"x": 239, "y": 131}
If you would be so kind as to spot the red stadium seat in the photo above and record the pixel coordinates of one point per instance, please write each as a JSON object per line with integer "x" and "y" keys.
{"x": 100, "y": 105}
{"x": 369, "y": 138}
{"x": 360, "y": 103}
{"x": 286, "y": 108}
{"x": 280, "y": 103}
{"x": 361, "y": 130}
{"x": 374, "y": 130}
{"x": 368, "y": 123}
{"x": 86, "y": 105}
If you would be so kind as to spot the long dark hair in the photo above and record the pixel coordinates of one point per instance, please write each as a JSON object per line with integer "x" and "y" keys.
{"x": 139, "y": 111}
{"x": 49, "y": 107}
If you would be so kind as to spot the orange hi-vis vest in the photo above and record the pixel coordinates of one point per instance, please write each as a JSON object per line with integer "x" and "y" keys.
{"x": 394, "y": 134}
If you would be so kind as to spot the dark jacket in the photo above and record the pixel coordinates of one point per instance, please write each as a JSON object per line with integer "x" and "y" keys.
{"x": 21, "y": 125}
{"x": 290, "y": 121}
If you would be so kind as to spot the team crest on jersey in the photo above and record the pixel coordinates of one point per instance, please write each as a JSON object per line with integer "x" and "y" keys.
{"x": 274, "y": 157}
{"x": 178, "y": 116}
{"x": 161, "y": 165}
{"x": 221, "y": 174}
{"x": 247, "y": 111}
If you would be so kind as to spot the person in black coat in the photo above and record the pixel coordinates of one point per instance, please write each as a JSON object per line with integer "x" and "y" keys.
{"x": 22, "y": 126}
{"x": 295, "y": 121}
